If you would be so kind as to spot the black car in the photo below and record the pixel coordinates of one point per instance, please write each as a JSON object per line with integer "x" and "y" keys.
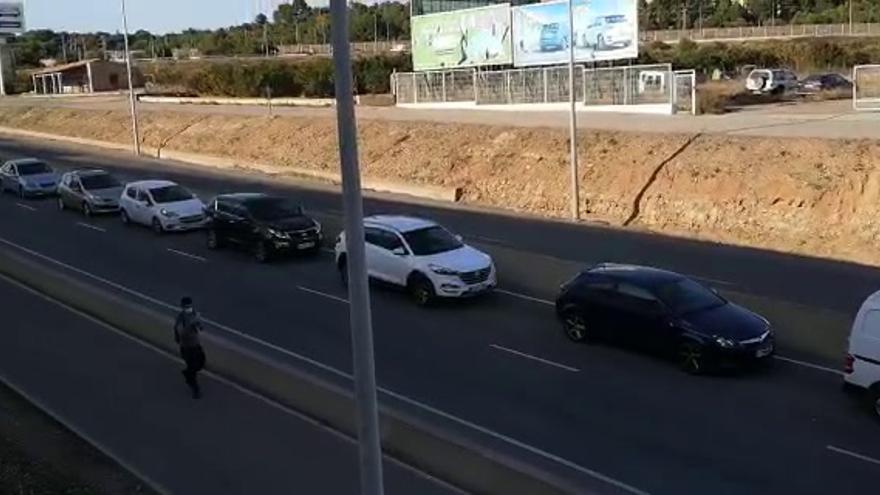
{"x": 664, "y": 312}
{"x": 263, "y": 224}
{"x": 818, "y": 83}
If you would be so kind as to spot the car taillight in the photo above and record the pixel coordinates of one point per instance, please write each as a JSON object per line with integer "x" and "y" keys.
{"x": 848, "y": 364}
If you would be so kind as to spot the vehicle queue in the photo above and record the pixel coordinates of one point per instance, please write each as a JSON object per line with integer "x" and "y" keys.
{"x": 650, "y": 309}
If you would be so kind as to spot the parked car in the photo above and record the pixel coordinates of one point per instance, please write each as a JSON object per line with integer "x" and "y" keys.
{"x": 163, "y": 205}
{"x": 90, "y": 191}
{"x": 771, "y": 81}
{"x": 422, "y": 257}
{"x": 28, "y": 177}
{"x": 818, "y": 83}
{"x": 553, "y": 38}
{"x": 265, "y": 225}
{"x": 606, "y": 32}
{"x": 664, "y": 312}
{"x": 862, "y": 371}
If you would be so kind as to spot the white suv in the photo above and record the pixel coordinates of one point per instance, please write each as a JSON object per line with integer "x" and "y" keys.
{"x": 773, "y": 81}
{"x": 163, "y": 205}
{"x": 421, "y": 256}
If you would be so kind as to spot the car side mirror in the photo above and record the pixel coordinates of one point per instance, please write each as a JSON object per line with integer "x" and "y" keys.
{"x": 399, "y": 251}
{"x": 459, "y": 237}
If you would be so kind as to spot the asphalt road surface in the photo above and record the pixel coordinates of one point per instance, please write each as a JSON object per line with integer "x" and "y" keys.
{"x": 129, "y": 399}
{"x": 499, "y": 366}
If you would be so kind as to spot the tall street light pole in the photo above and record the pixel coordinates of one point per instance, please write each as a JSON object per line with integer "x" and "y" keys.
{"x": 575, "y": 193}
{"x": 131, "y": 98}
{"x": 358, "y": 290}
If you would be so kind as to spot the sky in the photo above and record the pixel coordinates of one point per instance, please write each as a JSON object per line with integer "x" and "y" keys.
{"x": 159, "y": 16}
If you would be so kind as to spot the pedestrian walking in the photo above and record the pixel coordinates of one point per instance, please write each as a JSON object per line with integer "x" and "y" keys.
{"x": 187, "y": 328}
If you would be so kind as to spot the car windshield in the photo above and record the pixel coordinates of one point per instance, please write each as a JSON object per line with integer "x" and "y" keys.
{"x": 686, "y": 296}
{"x": 615, "y": 19}
{"x": 269, "y": 209}
{"x": 99, "y": 181}
{"x": 33, "y": 168}
{"x": 816, "y": 78}
{"x": 431, "y": 240}
{"x": 170, "y": 194}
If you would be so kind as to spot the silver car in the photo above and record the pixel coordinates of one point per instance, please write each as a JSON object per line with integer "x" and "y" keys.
{"x": 89, "y": 191}
{"x": 28, "y": 177}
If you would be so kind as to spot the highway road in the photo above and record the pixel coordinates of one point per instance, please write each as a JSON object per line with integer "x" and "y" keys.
{"x": 129, "y": 400}
{"x": 499, "y": 367}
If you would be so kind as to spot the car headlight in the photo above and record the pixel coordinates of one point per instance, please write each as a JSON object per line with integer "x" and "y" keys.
{"x": 277, "y": 234}
{"x": 442, "y": 270}
{"x": 168, "y": 213}
{"x": 724, "y": 342}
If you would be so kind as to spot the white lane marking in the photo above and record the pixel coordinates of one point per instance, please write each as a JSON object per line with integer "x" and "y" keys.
{"x": 809, "y": 365}
{"x": 26, "y": 207}
{"x": 90, "y": 226}
{"x": 433, "y": 410}
{"x": 322, "y": 294}
{"x": 534, "y": 358}
{"x": 60, "y": 419}
{"x": 187, "y": 255}
{"x": 525, "y": 297}
{"x": 853, "y": 454}
{"x": 256, "y": 395}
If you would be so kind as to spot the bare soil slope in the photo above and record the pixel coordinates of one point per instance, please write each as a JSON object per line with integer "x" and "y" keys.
{"x": 809, "y": 196}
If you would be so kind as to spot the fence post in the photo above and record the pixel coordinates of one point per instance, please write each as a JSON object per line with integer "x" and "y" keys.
{"x": 546, "y": 83}
{"x": 507, "y": 85}
{"x": 443, "y": 85}
{"x": 626, "y": 76}
{"x": 476, "y": 89}
{"x": 415, "y": 87}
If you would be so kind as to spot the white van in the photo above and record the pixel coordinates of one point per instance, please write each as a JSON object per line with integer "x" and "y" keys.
{"x": 863, "y": 360}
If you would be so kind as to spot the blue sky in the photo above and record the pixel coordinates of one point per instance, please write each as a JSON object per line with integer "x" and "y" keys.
{"x": 155, "y": 15}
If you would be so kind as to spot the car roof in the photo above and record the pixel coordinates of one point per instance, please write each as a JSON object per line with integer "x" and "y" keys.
{"x": 644, "y": 276}
{"x": 400, "y": 223}
{"x": 239, "y": 197}
{"x": 90, "y": 171}
{"x": 151, "y": 184}
{"x": 25, "y": 161}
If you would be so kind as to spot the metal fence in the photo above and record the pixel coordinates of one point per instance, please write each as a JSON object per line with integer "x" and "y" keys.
{"x": 866, "y": 87}
{"x": 753, "y": 32}
{"x": 629, "y": 85}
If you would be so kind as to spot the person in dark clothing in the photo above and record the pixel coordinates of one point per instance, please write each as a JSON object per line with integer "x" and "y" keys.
{"x": 187, "y": 328}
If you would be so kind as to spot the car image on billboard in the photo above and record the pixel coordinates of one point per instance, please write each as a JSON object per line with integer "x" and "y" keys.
{"x": 462, "y": 38}
{"x": 603, "y": 30}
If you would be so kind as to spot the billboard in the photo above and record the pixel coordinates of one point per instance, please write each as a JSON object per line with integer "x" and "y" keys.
{"x": 11, "y": 18}
{"x": 462, "y": 38}
{"x": 603, "y": 30}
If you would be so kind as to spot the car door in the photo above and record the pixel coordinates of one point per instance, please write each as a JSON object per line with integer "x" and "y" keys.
{"x": 127, "y": 201}
{"x": 64, "y": 190}
{"x": 75, "y": 192}
{"x": 594, "y": 300}
{"x": 372, "y": 249}
{"x": 142, "y": 212}
{"x": 220, "y": 221}
{"x": 865, "y": 342}
{"x": 10, "y": 177}
{"x": 393, "y": 258}
{"x": 241, "y": 227}
{"x": 644, "y": 319}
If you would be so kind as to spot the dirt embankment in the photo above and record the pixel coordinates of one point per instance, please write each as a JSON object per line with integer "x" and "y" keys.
{"x": 808, "y": 196}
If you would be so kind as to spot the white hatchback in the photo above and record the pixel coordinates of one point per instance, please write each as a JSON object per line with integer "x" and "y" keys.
{"x": 422, "y": 257}
{"x": 863, "y": 358}
{"x": 163, "y": 205}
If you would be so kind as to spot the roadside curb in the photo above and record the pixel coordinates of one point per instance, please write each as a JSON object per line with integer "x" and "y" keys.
{"x": 440, "y": 452}
{"x": 439, "y": 193}
{"x": 275, "y": 102}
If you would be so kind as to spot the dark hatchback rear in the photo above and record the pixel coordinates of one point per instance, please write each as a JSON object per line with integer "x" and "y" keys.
{"x": 263, "y": 224}
{"x": 663, "y": 311}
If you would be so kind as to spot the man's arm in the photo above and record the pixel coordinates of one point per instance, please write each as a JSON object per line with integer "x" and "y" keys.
{"x": 177, "y": 325}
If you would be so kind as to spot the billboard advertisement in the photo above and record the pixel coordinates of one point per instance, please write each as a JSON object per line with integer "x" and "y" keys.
{"x": 603, "y": 30}
{"x": 11, "y": 18}
{"x": 462, "y": 38}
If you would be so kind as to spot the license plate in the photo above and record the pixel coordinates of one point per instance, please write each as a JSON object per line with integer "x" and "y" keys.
{"x": 305, "y": 245}
{"x": 764, "y": 352}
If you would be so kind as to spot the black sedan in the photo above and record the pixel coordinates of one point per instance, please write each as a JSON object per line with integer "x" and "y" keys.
{"x": 818, "y": 83}
{"x": 263, "y": 224}
{"x": 663, "y": 312}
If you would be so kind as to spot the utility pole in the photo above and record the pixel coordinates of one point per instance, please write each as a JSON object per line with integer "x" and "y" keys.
{"x": 266, "y": 38}
{"x": 375, "y": 31}
{"x": 131, "y": 98}
{"x": 850, "y": 17}
{"x": 358, "y": 290}
{"x": 572, "y": 120}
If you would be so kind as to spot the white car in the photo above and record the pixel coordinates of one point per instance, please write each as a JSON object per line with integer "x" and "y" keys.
{"x": 163, "y": 205}
{"x": 606, "y": 32}
{"x": 863, "y": 359}
{"x": 422, "y": 257}
{"x": 773, "y": 81}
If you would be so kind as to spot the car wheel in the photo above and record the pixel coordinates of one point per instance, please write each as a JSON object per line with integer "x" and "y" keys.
{"x": 157, "y": 226}
{"x": 261, "y": 252}
{"x": 61, "y": 205}
{"x": 422, "y": 290}
{"x": 213, "y": 239}
{"x": 86, "y": 209}
{"x": 342, "y": 266}
{"x": 123, "y": 215}
{"x": 691, "y": 357}
{"x": 574, "y": 325}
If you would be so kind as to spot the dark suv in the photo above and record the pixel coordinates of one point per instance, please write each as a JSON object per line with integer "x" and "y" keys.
{"x": 265, "y": 225}
{"x": 662, "y": 311}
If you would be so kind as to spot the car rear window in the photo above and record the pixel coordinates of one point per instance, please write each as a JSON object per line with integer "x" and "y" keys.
{"x": 33, "y": 168}
{"x": 99, "y": 181}
{"x": 170, "y": 194}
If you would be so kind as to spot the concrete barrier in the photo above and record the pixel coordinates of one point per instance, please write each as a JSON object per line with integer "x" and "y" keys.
{"x": 275, "y": 102}
{"x": 439, "y": 193}
{"x": 414, "y": 440}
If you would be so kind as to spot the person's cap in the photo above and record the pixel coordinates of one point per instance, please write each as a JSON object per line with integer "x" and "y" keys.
{"x": 186, "y": 301}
